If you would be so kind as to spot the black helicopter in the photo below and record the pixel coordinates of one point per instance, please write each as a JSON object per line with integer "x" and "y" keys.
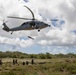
{"x": 29, "y": 25}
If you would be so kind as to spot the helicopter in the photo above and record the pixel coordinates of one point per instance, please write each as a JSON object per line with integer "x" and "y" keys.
{"x": 29, "y": 25}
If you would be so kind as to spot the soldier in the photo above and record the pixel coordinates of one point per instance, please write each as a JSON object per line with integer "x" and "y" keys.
{"x": 32, "y": 62}
{"x": 0, "y": 61}
{"x": 23, "y": 63}
{"x": 27, "y": 63}
{"x": 13, "y": 62}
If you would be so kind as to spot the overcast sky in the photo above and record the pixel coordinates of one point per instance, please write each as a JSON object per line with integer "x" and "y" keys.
{"x": 59, "y": 38}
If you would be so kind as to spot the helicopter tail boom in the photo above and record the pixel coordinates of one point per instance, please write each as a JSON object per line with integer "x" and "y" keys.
{"x": 6, "y": 28}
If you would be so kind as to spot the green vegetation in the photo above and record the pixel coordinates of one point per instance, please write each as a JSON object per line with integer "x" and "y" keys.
{"x": 54, "y": 66}
{"x": 44, "y": 64}
{"x": 17, "y": 54}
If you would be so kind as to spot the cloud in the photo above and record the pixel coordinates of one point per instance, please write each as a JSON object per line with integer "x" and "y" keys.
{"x": 59, "y": 34}
{"x": 16, "y": 41}
{"x": 59, "y": 49}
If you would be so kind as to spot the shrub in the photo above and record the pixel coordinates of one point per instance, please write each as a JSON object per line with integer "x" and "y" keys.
{"x": 8, "y": 73}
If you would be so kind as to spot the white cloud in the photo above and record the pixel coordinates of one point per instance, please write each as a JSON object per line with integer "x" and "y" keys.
{"x": 44, "y": 10}
{"x": 16, "y": 42}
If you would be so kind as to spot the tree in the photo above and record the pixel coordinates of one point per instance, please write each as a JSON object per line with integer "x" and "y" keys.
{"x": 48, "y": 56}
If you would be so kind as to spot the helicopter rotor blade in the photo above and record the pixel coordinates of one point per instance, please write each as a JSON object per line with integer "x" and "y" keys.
{"x": 25, "y": 18}
{"x": 31, "y": 12}
{"x": 19, "y": 18}
{"x": 4, "y": 21}
{"x": 54, "y": 19}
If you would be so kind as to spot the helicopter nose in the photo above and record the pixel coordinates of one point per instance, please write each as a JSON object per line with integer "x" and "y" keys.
{"x": 47, "y": 25}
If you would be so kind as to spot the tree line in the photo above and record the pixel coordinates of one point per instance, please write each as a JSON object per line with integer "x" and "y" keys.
{"x": 16, "y": 54}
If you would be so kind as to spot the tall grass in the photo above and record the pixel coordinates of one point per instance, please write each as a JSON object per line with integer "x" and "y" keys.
{"x": 50, "y": 67}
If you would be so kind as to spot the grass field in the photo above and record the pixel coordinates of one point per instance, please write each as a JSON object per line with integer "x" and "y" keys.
{"x": 57, "y": 66}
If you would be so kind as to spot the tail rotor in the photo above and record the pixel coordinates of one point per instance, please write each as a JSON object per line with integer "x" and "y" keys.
{"x": 4, "y": 22}
{"x": 5, "y": 26}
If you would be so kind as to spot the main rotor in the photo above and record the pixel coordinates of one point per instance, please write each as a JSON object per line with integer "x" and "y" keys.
{"x": 33, "y": 16}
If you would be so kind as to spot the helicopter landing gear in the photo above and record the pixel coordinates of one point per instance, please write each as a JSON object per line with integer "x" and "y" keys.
{"x": 39, "y": 30}
{"x": 12, "y": 32}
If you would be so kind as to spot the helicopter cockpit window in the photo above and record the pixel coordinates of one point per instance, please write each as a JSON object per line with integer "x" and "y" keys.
{"x": 37, "y": 23}
{"x": 32, "y": 23}
{"x": 24, "y": 23}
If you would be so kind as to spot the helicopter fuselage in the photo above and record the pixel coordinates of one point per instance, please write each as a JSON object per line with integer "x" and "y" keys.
{"x": 30, "y": 25}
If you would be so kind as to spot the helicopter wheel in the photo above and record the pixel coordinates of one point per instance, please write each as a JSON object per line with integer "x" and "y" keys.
{"x": 38, "y": 30}
{"x": 12, "y": 32}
